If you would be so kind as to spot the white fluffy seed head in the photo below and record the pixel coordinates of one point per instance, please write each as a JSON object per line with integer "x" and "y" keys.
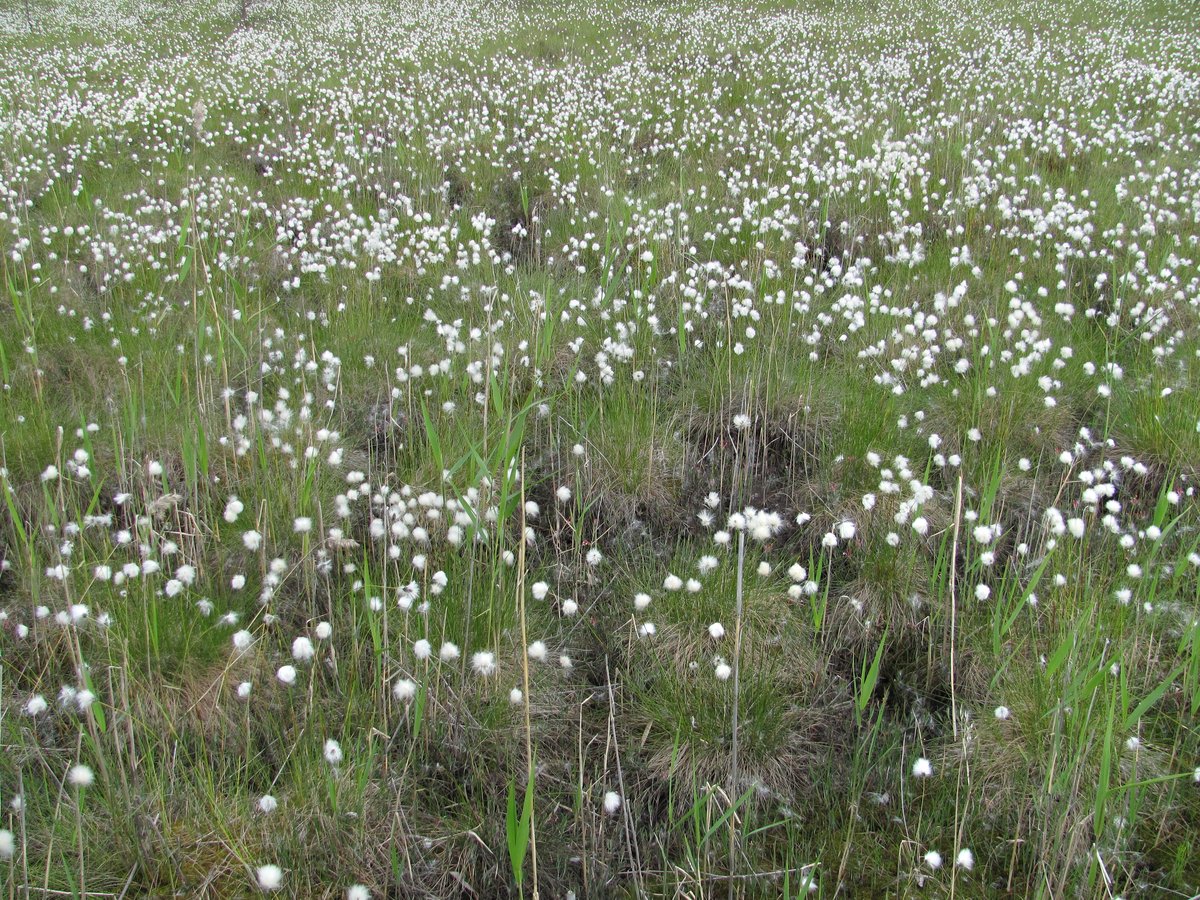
{"x": 333, "y": 752}
{"x": 612, "y": 802}
{"x": 303, "y": 649}
{"x": 270, "y": 877}
{"x": 404, "y": 689}
{"x": 36, "y": 705}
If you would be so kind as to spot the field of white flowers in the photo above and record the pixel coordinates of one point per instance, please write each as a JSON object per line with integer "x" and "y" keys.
{"x": 599, "y": 449}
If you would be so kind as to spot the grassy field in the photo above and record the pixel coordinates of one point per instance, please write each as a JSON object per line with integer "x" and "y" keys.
{"x": 600, "y": 449}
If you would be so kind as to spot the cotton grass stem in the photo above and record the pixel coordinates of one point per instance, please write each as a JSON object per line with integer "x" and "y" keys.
{"x": 954, "y": 601}
{"x": 525, "y": 681}
{"x": 24, "y": 835}
{"x": 630, "y": 835}
{"x": 737, "y": 659}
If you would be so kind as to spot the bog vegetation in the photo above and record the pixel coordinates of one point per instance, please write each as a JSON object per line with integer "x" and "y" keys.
{"x": 598, "y": 448}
